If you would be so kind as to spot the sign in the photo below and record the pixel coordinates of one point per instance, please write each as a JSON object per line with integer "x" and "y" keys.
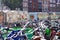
{"x": 33, "y": 15}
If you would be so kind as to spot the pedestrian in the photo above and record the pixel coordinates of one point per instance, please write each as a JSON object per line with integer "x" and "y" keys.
{"x": 47, "y": 34}
{"x": 1, "y": 37}
{"x": 36, "y": 36}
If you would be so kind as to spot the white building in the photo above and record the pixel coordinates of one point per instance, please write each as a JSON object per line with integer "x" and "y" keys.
{"x": 25, "y": 5}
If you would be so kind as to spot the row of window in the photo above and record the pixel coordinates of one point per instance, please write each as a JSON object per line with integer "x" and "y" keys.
{"x": 39, "y": 10}
{"x": 52, "y": 4}
{"x": 40, "y": 1}
{"x": 54, "y": 1}
{"x": 30, "y": 1}
{"x": 26, "y": 4}
{"x": 25, "y": 0}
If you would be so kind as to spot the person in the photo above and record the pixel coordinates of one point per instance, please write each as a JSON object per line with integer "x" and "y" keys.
{"x": 59, "y": 22}
{"x": 36, "y": 36}
{"x": 7, "y": 29}
{"x": 18, "y": 37}
{"x": 1, "y": 38}
{"x": 53, "y": 33}
{"x": 18, "y": 24}
{"x": 23, "y": 36}
{"x": 59, "y": 19}
{"x": 15, "y": 25}
{"x": 47, "y": 34}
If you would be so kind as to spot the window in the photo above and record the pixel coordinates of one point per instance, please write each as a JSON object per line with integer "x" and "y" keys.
{"x": 52, "y": 5}
{"x": 25, "y": 0}
{"x": 45, "y": 10}
{"x": 45, "y": 7}
{"x": 39, "y": 0}
{"x": 39, "y": 5}
{"x": 58, "y": 1}
{"x": 29, "y": 9}
{"x": 34, "y": 6}
{"x": 25, "y": 5}
{"x": 25, "y": 9}
{"x": 40, "y": 10}
{"x": 45, "y": 2}
{"x": 30, "y": 4}
{"x": 30, "y": 1}
{"x": 52, "y": 1}
{"x": 35, "y": 0}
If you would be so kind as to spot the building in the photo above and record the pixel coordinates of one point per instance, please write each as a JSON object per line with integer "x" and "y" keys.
{"x": 54, "y": 5}
{"x": 35, "y": 5}
{"x": 51, "y": 5}
{"x": 45, "y": 5}
{"x": 41, "y": 5}
{"x": 25, "y": 5}
{"x": 32, "y": 5}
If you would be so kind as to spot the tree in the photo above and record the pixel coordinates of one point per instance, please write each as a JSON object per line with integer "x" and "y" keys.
{"x": 13, "y": 4}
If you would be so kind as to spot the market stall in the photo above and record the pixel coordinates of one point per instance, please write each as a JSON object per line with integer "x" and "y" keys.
{"x": 55, "y": 15}
{"x": 15, "y": 16}
{"x": 42, "y": 15}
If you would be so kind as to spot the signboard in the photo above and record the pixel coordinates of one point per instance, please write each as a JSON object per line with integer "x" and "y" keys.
{"x": 33, "y": 15}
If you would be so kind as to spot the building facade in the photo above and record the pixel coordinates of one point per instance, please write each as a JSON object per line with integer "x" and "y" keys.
{"x": 25, "y": 5}
{"x": 45, "y": 5}
{"x": 35, "y": 5}
{"x": 54, "y": 5}
{"x": 41, "y": 5}
{"x": 32, "y": 5}
{"x": 51, "y": 5}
